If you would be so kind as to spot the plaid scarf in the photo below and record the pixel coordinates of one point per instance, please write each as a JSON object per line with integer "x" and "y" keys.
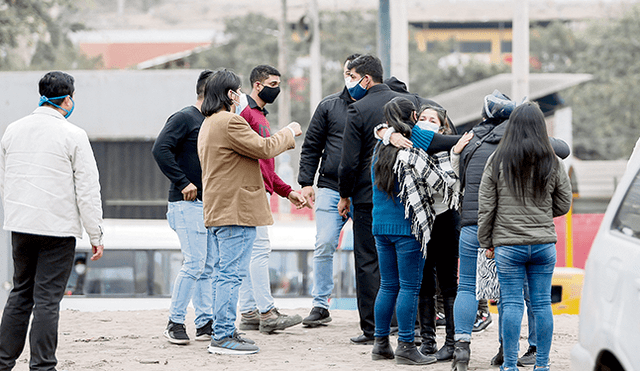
{"x": 419, "y": 175}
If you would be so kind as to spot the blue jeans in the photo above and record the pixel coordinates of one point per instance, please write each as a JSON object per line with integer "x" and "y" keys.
{"x": 512, "y": 263}
{"x": 232, "y": 245}
{"x": 255, "y": 291}
{"x": 400, "y": 261}
{"x": 531, "y": 323}
{"x": 328, "y": 225}
{"x": 194, "y": 280}
{"x": 466, "y": 304}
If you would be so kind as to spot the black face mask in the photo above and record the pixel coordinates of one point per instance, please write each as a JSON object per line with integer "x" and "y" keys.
{"x": 269, "y": 94}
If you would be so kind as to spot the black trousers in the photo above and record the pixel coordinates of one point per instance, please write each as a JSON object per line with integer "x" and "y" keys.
{"x": 42, "y": 265}
{"x": 366, "y": 262}
{"x": 442, "y": 256}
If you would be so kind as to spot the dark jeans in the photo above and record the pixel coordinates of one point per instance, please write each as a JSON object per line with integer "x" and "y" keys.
{"x": 42, "y": 266}
{"x": 442, "y": 256}
{"x": 366, "y": 262}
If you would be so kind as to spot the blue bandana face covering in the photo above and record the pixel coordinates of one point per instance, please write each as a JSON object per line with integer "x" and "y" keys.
{"x": 44, "y": 100}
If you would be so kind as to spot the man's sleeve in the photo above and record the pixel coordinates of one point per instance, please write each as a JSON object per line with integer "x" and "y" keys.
{"x": 87, "y": 188}
{"x": 351, "y": 148}
{"x": 165, "y": 147}
{"x": 247, "y": 142}
{"x": 2, "y": 165}
{"x": 314, "y": 144}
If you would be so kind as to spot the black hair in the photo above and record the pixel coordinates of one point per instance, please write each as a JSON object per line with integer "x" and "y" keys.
{"x": 367, "y": 65}
{"x": 525, "y": 154}
{"x": 399, "y": 115}
{"x": 216, "y": 90}
{"x": 262, "y": 72}
{"x": 352, "y": 57}
{"x": 202, "y": 79}
{"x": 56, "y": 84}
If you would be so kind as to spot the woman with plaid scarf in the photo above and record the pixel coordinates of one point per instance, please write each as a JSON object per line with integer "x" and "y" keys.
{"x": 404, "y": 177}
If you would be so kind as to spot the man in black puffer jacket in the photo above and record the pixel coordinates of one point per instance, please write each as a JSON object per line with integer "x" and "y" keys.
{"x": 323, "y": 146}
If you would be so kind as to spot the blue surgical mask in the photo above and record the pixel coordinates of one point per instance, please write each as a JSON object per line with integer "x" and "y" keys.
{"x": 44, "y": 100}
{"x": 356, "y": 91}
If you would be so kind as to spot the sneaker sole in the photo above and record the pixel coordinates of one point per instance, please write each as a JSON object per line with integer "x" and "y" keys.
{"x": 269, "y": 329}
{"x": 484, "y": 328}
{"x": 248, "y": 327}
{"x": 316, "y": 323}
{"x": 175, "y": 341}
{"x": 219, "y": 350}
{"x": 204, "y": 337}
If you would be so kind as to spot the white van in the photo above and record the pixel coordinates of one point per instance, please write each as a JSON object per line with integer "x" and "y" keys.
{"x": 609, "y": 336}
{"x": 142, "y": 258}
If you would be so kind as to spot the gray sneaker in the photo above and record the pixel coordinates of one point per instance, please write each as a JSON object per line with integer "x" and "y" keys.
{"x": 273, "y": 320}
{"x": 529, "y": 358}
{"x": 236, "y": 335}
{"x": 232, "y": 345}
{"x": 250, "y": 321}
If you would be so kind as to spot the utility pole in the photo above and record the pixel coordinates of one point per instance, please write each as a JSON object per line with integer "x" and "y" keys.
{"x": 120, "y": 7}
{"x": 399, "y": 51}
{"x": 520, "y": 47}
{"x": 315, "y": 72}
{"x": 384, "y": 37}
{"x": 284, "y": 103}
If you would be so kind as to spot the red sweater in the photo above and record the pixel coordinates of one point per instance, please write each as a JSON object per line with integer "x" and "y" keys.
{"x": 258, "y": 121}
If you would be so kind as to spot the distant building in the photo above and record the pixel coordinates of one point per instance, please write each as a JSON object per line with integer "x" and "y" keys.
{"x": 479, "y": 29}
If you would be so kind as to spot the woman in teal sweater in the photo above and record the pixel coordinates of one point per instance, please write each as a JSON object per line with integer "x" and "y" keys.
{"x": 400, "y": 256}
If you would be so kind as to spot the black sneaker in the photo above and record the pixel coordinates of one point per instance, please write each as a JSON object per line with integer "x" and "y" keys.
{"x": 318, "y": 316}
{"x": 441, "y": 321}
{"x": 204, "y": 333}
{"x": 232, "y": 345}
{"x": 483, "y": 320}
{"x": 176, "y": 333}
{"x": 529, "y": 358}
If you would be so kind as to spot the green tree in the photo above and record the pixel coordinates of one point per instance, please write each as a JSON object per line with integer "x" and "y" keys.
{"x": 44, "y": 24}
{"x": 252, "y": 40}
{"x": 606, "y": 118}
{"x": 430, "y": 73}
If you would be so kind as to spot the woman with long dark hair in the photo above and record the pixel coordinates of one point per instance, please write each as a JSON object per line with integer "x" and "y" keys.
{"x": 524, "y": 186}
{"x": 401, "y": 255}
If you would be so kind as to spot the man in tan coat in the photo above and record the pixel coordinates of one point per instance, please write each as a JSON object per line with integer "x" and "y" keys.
{"x": 234, "y": 198}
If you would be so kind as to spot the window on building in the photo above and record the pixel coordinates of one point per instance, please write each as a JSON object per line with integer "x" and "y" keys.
{"x": 505, "y": 47}
{"x": 475, "y": 47}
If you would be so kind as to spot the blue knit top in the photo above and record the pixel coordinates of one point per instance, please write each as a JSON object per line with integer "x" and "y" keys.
{"x": 388, "y": 213}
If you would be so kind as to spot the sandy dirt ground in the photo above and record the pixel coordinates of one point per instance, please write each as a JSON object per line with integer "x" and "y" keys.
{"x": 132, "y": 340}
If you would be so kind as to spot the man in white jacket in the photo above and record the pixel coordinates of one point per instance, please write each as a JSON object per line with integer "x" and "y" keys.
{"x": 50, "y": 190}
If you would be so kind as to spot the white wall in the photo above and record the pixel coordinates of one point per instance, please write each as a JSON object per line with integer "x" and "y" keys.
{"x": 118, "y": 104}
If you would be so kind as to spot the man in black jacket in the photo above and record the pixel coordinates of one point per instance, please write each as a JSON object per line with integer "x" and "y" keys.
{"x": 323, "y": 140}
{"x": 354, "y": 174}
{"x": 176, "y": 152}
